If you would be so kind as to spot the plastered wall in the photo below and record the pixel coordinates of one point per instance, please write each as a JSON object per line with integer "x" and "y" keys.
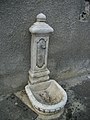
{"x": 69, "y": 48}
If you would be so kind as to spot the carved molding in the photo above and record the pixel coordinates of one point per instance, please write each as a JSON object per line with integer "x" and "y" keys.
{"x": 41, "y": 51}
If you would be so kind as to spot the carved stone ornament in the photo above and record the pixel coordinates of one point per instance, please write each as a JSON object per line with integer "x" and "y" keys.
{"x": 41, "y": 51}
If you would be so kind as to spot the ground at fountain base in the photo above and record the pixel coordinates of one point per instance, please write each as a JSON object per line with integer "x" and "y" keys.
{"x": 77, "y": 107}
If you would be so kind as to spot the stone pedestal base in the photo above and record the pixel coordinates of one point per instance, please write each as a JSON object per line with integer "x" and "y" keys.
{"x": 50, "y": 117}
{"x": 40, "y": 76}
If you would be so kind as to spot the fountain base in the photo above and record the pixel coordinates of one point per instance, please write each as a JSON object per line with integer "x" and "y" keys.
{"x": 51, "y": 116}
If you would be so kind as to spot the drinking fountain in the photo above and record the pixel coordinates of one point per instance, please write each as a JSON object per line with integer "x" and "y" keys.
{"x": 46, "y": 96}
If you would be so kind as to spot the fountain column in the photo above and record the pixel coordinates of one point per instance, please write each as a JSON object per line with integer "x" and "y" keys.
{"x": 39, "y": 50}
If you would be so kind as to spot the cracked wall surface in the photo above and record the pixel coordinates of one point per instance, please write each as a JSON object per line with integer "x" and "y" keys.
{"x": 69, "y": 48}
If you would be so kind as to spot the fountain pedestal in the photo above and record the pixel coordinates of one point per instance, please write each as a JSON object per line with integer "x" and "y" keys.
{"x": 47, "y": 97}
{"x": 39, "y": 49}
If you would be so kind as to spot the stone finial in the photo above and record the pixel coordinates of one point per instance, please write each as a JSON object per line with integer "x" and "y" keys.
{"x": 41, "y": 17}
{"x": 40, "y": 26}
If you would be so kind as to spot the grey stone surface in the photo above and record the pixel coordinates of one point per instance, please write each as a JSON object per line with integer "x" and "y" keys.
{"x": 77, "y": 107}
{"x": 69, "y": 51}
{"x": 13, "y": 109}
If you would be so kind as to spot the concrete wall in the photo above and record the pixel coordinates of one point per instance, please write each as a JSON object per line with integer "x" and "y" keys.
{"x": 69, "y": 48}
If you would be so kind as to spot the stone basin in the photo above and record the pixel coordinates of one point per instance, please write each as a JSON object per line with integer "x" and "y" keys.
{"x": 46, "y": 97}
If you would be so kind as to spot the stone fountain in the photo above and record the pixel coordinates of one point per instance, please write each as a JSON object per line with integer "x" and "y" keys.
{"x": 46, "y": 96}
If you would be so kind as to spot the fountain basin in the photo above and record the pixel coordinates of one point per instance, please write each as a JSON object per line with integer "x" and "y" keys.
{"x": 46, "y": 97}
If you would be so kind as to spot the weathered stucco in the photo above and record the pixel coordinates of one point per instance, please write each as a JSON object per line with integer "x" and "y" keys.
{"x": 69, "y": 48}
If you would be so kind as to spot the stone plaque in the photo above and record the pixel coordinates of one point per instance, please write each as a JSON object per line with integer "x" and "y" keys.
{"x": 41, "y": 51}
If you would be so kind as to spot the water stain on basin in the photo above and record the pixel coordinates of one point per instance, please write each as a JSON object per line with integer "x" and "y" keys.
{"x": 47, "y": 95}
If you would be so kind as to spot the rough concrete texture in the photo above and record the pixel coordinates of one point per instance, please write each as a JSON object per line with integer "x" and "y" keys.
{"x": 69, "y": 49}
{"x": 77, "y": 107}
{"x": 78, "y": 104}
{"x": 13, "y": 109}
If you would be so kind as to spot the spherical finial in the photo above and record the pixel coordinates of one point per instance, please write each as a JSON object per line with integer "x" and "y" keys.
{"x": 41, "y": 17}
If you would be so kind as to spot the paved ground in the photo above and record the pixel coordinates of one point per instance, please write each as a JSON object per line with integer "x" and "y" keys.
{"x": 11, "y": 108}
{"x": 77, "y": 108}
